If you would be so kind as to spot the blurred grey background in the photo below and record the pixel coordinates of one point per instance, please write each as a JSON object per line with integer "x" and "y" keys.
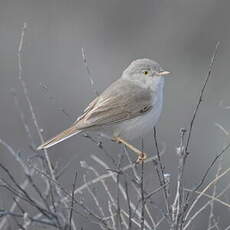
{"x": 179, "y": 34}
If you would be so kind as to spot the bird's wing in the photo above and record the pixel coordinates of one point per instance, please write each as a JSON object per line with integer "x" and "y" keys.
{"x": 122, "y": 100}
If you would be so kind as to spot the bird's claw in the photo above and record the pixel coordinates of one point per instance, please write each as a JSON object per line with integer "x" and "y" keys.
{"x": 141, "y": 158}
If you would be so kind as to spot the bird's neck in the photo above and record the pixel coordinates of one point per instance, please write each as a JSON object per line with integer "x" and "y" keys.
{"x": 154, "y": 84}
{"x": 158, "y": 84}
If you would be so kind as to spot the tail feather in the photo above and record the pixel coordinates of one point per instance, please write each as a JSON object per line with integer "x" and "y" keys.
{"x": 71, "y": 131}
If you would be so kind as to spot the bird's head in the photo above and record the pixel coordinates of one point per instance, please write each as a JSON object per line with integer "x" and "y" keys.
{"x": 146, "y": 72}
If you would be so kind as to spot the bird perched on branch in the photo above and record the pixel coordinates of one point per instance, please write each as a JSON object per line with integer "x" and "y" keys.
{"x": 127, "y": 109}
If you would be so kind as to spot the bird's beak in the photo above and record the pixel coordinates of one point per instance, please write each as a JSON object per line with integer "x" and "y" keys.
{"x": 163, "y": 73}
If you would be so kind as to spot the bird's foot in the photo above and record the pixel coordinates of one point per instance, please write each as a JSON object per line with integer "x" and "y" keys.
{"x": 141, "y": 158}
{"x": 141, "y": 155}
{"x": 116, "y": 140}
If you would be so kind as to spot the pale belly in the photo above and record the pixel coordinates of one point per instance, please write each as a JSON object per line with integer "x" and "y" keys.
{"x": 135, "y": 127}
{"x": 138, "y": 126}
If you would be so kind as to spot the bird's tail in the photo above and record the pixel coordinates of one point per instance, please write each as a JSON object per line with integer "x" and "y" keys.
{"x": 71, "y": 131}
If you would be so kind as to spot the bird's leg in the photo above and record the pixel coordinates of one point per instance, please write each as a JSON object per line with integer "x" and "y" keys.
{"x": 141, "y": 155}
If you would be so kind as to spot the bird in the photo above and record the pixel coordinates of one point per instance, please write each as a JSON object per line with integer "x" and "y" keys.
{"x": 127, "y": 109}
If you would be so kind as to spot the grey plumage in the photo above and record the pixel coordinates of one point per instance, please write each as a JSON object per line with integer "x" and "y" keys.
{"x": 133, "y": 95}
{"x": 119, "y": 102}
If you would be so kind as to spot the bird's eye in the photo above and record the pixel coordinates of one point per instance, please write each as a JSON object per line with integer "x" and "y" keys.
{"x": 146, "y": 72}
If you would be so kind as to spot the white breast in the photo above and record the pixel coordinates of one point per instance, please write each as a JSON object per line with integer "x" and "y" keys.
{"x": 137, "y": 127}
{"x": 140, "y": 125}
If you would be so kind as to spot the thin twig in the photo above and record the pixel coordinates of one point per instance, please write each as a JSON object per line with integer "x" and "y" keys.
{"x": 101, "y": 147}
{"x": 177, "y": 206}
{"x": 119, "y": 220}
{"x": 190, "y": 220}
{"x": 160, "y": 173}
{"x": 54, "y": 101}
{"x": 226, "y": 133}
{"x": 212, "y": 218}
{"x": 128, "y": 203}
{"x": 69, "y": 196}
{"x": 205, "y": 189}
{"x": 183, "y": 205}
{"x": 14, "y": 205}
{"x": 26, "y": 217}
{"x": 206, "y": 173}
{"x": 65, "y": 167}
{"x": 201, "y": 95}
{"x": 110, "y": 174}
{"x": 213, "y": 198}
{"x": 137, "y": 178}
{"x": 86, "y": 185}
{"x": 26, "y": 94}
{"x": 45, "y": 222}
{"x": 142, "y": 189}
{"x": 122, "y": 190}
{"x": 72, "y": 201}
{"x": 22, "y": 117}
{"x": 93, "y": 195}
{"x": 88, "y": 71}
{"x": 48, "y": 165}
{"x": 22, "y": 191}
{"x": 111, "y": 215}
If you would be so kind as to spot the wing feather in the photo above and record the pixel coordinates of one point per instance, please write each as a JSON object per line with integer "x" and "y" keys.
{"x": 121, "y": 101}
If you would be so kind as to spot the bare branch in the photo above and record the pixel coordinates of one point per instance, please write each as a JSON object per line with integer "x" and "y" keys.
{"x": 208, "y": 169}
{"x": 212, "y": 218}
{"x": 128, "y": 203}
{"x": 88, "y": 71}
{"x": 26, "y": 94}
{"x": 137, "y": 178}
{"x": 111, "y": 215}
{"x": 201, "y": 95}
{"x": 190, "y": 220}
{"x": 222, "y": 128}
{"x": 142, "y": 188}
{"x": 72, "y": 202}
{"x": 161, "y": 174}
{"x": 205, "y": 189}
{"x": 95, "y": 199}
{"x": 33, "y": 220}
{"x": 22, "y": 117}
